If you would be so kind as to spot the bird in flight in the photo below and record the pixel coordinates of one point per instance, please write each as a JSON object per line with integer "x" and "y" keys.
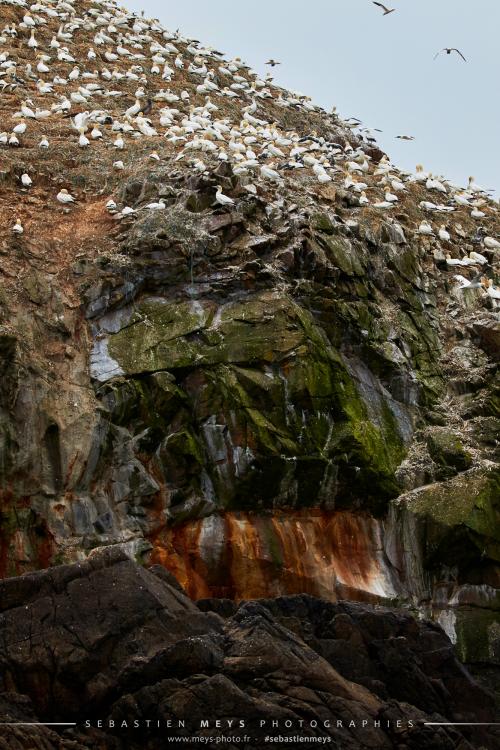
{"x": 448, "y": 51}
{"x": 386, "y": 10}
{"x": 406, "y": 137}
{"x": 272, "y": 62}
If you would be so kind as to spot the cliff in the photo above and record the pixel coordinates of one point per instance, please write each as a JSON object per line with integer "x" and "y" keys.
{"x": 290, "y": 393}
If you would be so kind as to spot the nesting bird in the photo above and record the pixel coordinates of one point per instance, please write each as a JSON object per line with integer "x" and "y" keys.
{"x": 65, "y": 197}
{"x": 223, "y": 200}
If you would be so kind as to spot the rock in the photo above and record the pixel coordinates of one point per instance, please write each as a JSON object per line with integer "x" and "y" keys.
{"x": 393, "y": 233}
{"x": 84, "y": 612}
{"x": 120, "y": 643}
{"x": 488, "y": 332}
{"x": 447, "y": 451}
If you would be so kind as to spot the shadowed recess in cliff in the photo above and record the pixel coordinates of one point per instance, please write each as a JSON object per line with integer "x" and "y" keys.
{"x": 52, "y": 445}
{"x": 245, "y": 556}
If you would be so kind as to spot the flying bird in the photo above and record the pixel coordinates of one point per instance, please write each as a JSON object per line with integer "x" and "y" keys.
{"x": 386, "y": 10}
{"x": 448, "y": 51}
{"x": 406, "y": 137}
{"x": 272, "y": 63}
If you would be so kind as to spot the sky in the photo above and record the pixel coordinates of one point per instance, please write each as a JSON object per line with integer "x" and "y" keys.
{"x": 345, "y": 53}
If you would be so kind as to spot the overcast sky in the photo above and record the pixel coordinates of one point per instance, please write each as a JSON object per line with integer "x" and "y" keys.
{"x": 380, "y": 69}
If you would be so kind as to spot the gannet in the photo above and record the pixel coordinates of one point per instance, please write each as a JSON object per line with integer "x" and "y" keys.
{"x": 444, "y": 234}
{"x": 83, "y": 141}
{"x": 64, "y": 196}
{"x": 397, "y": 185}
{"x": 43, "y": 68}
{"x": 270, "y": 174}
{"x": 156, "y": 205}
{"x": 43, "y": 143}
{"x": 478, "y": 257}
{"x": 473, "y": 187}
{"x": 425, "y": 228}
{"x": 433, "y": 184}
{"x": 26, "y": 180}
{"x": 491, "y": 243}
{"x": 18, "y": 227}
{"x": 456, "y": 261}
{"x": 420, "y": 175}
{"x": 491, "y": 290}
{"x": 477, "y": 214}
{"x": 384, "y": 8}
{"x": 391, "y": 198}
{"x": 20, "y": 128}
{"x": 448, "y": 51}
{"x": 134, "y": 109}
{"x": 224, "y": 200}
{"x": 322, "y": 176}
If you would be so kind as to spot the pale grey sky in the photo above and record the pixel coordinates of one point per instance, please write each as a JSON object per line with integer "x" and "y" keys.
{"x": 380, "y": 69}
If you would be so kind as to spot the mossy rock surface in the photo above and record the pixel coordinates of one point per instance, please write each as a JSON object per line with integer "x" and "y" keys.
{"x": 266, "y": 393}
{"x": 459, "y": 519}
{"x": 447, "y": 451}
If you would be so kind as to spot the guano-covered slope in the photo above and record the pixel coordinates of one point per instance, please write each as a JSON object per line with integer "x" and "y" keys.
{"x": 242, "y": 351}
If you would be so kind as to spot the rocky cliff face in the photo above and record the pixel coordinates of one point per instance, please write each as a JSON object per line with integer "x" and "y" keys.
{"x": 288, "y": 394}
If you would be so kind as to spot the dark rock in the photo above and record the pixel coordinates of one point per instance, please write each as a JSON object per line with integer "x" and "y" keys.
{"x": 108, "y": 639}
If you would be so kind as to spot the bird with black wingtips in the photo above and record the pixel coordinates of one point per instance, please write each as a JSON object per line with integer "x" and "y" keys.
{"x": 384, "y": 8}
{"x": 448, "y": 51}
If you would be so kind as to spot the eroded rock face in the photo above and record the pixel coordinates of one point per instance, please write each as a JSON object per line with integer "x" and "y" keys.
{"x": 245, "y": 556}
{"x": 107, "y": 639}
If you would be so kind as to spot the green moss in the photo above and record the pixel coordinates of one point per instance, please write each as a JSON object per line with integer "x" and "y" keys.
{"x": 322, "y": 223}
{"x": 478, "y": 635}
{"x": 447, "y": 451}
{"x": 270, "y": 373}
{"x": 461, "y": 518}
{"x": 342, "y": 255}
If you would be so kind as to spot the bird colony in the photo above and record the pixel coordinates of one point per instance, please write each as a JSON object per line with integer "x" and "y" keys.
{"x": 89, "y": 83}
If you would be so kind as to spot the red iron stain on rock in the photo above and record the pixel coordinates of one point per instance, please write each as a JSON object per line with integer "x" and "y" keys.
{"x": 244, "y": 556}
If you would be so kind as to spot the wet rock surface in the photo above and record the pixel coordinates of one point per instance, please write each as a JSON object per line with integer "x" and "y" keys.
{"x": 106, "y": 639}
